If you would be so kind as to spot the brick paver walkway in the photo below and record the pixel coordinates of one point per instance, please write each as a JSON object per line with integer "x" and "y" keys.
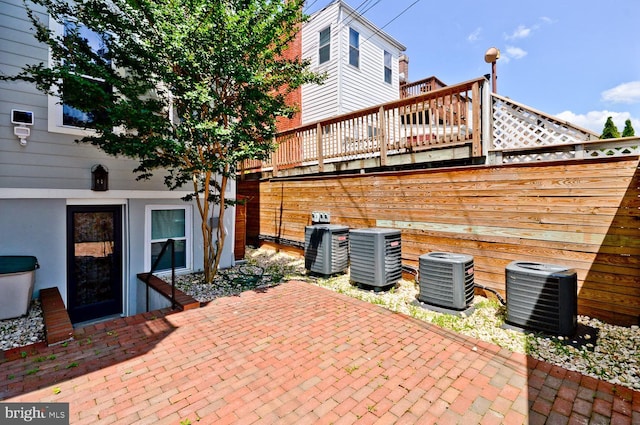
{"x": 299, "y": 354}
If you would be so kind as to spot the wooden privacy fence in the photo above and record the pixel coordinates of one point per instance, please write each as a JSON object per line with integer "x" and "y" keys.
{"x": 583, "y": 214}
{"x": 445, "y": 117}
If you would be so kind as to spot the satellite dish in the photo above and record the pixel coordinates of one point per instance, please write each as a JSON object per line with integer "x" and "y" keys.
{"x": 492, "y": 54}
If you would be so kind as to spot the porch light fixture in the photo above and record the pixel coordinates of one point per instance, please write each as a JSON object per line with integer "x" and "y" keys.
{"x": 491, "y": 56}
{"x": 99, "y": 178}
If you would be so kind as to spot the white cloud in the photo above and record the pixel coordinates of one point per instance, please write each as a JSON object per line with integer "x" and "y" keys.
{"x": 594, "y": 120}
{"x": 520, "y": 32}
{"x": 623, "y": 93}
{"x": 547, "y": 20}
{"x": 512, "y": 52}
{"x": 475, "y": 35}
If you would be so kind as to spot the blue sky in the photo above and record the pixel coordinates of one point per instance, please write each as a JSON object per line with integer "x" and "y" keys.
{"x": 577, "y": 60}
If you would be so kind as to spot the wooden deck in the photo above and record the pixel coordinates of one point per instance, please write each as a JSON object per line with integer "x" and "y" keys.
{"x": 440, "y": 119}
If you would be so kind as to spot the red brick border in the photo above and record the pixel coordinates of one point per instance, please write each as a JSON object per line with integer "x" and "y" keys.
{"x": 58, "y": 327}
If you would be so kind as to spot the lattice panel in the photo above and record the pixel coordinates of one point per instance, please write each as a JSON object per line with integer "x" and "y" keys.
{"x": 516, "y": 126}
{"x": 609, "y": 151}
{"x": 588, "y": 150}
{"x": 536, "y": 157}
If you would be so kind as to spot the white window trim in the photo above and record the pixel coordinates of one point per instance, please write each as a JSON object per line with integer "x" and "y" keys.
{"x": 54, "y": 105}
{"x": 385, "y": 67}
{"x": 321, "y": 46}
{"x": 356, "y": 48}
{"x": 188, "y": 235}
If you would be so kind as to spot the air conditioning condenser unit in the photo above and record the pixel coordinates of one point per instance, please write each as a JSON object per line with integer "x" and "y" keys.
{"x": 326, "y": 248}
{"x": 542, "y": 297}
{"x": 375, "y": 256}
{"x": 446, "y": 280}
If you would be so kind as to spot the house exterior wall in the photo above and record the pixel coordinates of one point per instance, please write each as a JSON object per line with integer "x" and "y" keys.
{"x": 37, "y": 227}
{"x": 320, "y": 101}
{"x": 347, "y": 88}
{"x": 49, "y": 160}
{"x": 293, "y": 98}
{"x": 40, "y": 180}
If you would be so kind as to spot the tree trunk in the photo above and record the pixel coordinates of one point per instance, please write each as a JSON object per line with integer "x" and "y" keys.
{"x": 212, "y": 250}
{"x": 219, "y": 245}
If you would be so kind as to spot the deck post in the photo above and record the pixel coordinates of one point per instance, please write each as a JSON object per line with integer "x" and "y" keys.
{"x": 274, "y": 158}
{"x": 476, "y": 149}
{"x": 487, "y": 125}
{"x": 319, "y": 143}
{"x": 382, "y": 137}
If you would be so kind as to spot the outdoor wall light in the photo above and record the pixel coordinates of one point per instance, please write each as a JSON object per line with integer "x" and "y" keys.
{"x": 22, "y": 119}
{"x": 491, "y": 56}
{"x": 99, "y": 178}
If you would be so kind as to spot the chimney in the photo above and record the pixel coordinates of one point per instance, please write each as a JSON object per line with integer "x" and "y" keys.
{"x": 403, "y": 68}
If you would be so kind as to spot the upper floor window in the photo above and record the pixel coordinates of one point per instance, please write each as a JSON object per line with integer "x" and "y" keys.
{"x": 354, "y": 48}
{"x": 387, "y": 67}
{"x": 324, "y": 50}
{"x": 64, "y": 118}
{"x": 90, "y": 39}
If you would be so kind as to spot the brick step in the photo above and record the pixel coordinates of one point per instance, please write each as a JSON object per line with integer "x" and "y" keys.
{"x": 183, "y": 301}
{"x": 58, "y": 327}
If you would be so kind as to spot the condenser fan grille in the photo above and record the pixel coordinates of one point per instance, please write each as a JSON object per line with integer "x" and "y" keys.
{"x": 376, "y": 256}
{"x": 326, "y": 248}
{"x": 446, "y": 280}
{"x": 541, "y": 297}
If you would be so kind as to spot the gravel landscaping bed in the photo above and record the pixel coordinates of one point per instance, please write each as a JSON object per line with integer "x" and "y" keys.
{"x": 24, "y": 330}
{"x": 600, "y": 350}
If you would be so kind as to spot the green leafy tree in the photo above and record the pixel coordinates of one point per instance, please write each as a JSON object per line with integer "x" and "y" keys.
{"x": 610, "y": 130}
{"x": 628, "y": 129}
{"x": 190, "y": 87}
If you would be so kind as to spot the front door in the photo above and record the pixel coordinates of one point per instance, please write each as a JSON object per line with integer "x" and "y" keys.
{"x": 94, "y": 261}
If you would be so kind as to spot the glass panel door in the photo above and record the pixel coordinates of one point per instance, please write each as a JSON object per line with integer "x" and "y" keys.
{"x": 94, "y": 266}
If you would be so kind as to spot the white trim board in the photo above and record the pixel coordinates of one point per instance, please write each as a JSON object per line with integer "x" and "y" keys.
{"x": 82, "y": 194}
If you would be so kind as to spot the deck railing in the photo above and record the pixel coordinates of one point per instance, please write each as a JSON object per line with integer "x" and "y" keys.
{"x": 445, "y": 117}
{"x": 523, "y": 134}
{"x": 419, "y": 87}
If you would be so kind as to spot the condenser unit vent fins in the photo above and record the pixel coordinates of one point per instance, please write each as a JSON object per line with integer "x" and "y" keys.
{"x": 542, "y": 297}
{"x": 326, "y": 248}
{"x": 446, "y": 280}
{"x": 376, "y": 257}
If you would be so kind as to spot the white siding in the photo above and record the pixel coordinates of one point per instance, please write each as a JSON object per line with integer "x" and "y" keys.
{"x": 347, "y": 88}
{"x": 320, "y": 101}
{"x": 365, "y": 86}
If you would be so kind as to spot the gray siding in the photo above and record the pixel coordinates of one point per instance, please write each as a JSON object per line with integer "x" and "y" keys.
{"x": 50, "y": 160}
{"x": 39, "y": 180}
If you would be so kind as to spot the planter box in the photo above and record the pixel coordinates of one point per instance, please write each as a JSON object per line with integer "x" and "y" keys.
{"x": 17, "y": 279}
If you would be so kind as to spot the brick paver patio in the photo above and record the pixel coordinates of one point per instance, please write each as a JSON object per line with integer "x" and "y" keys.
{"x": 300, "y": 354}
